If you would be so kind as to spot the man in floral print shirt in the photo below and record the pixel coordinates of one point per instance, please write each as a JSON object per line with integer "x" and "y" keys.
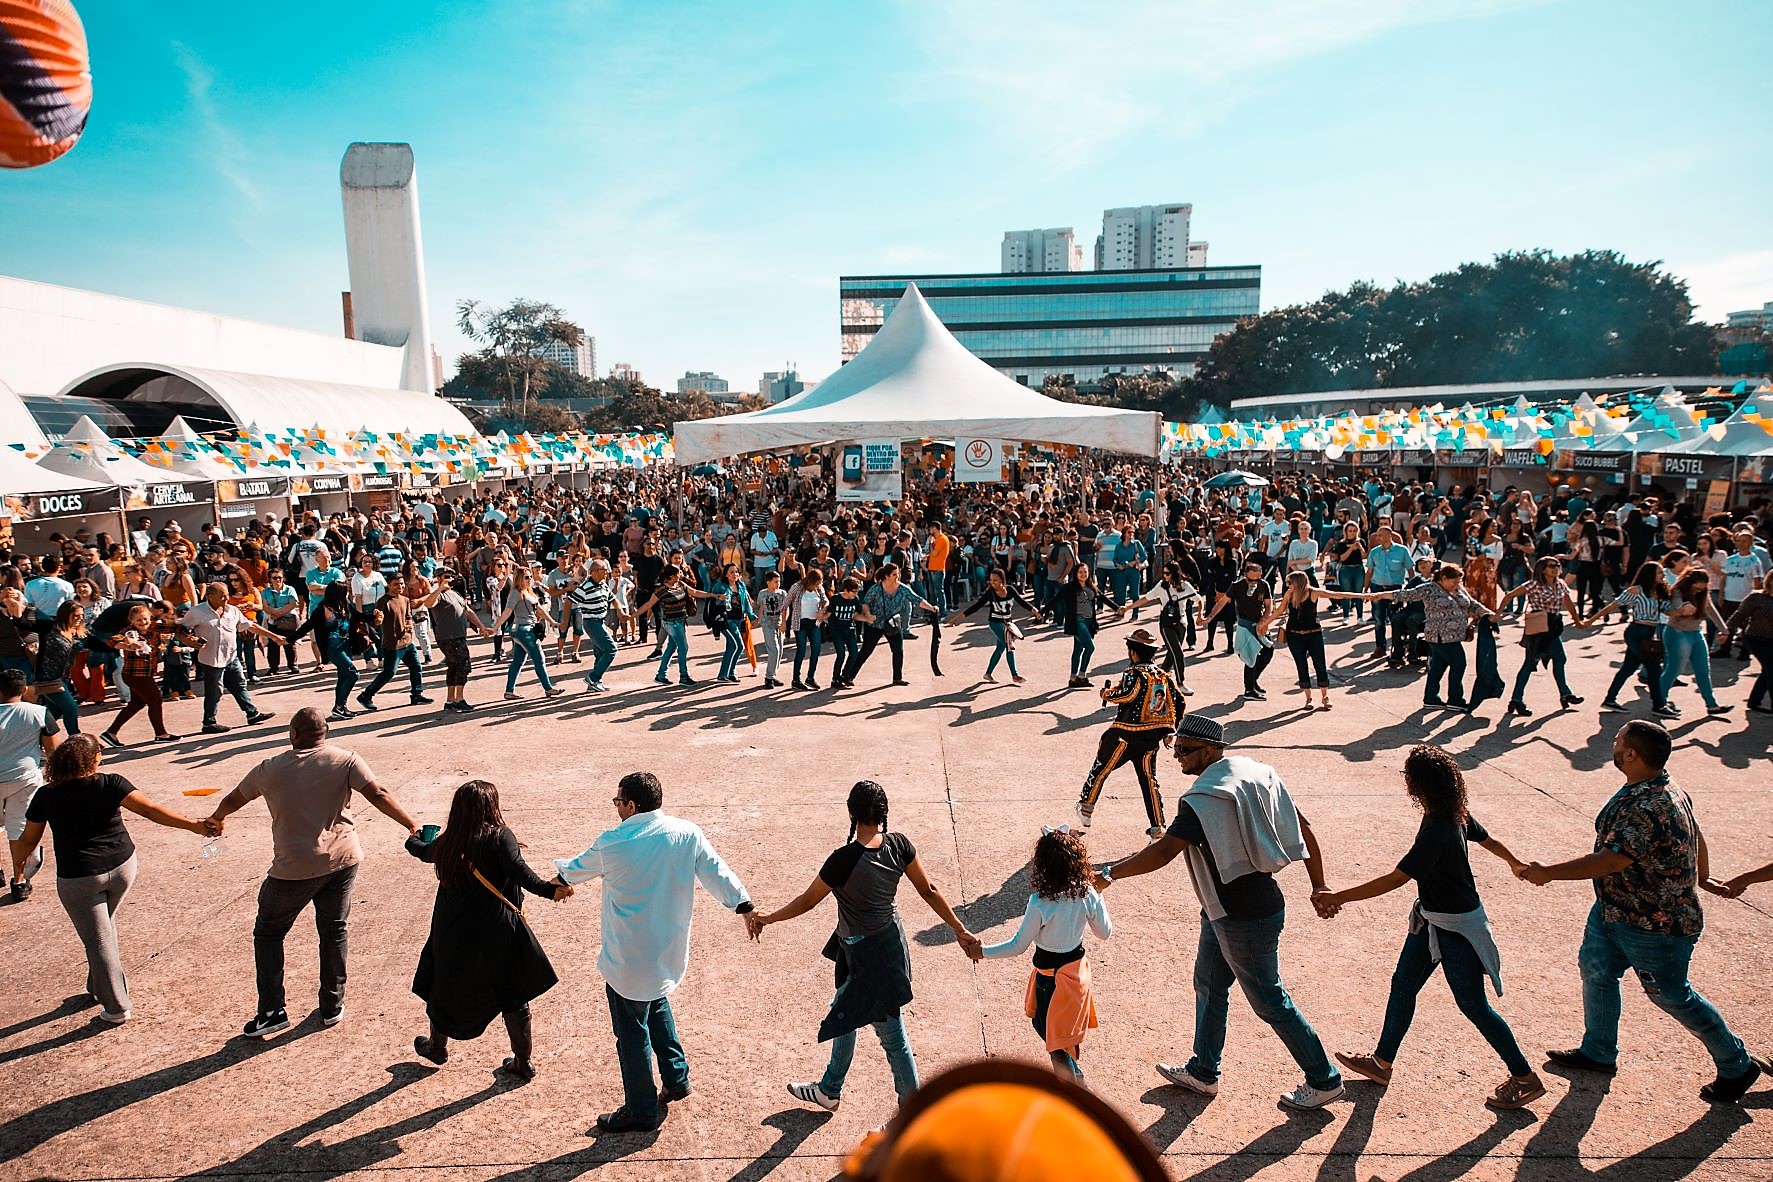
{"x": 1648, "y": 863}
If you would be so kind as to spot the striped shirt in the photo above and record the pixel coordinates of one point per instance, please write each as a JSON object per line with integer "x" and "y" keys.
{"x": 1644, "y": 609}
{"x": 592, "y": 599}
{"x": 389, "y": 558}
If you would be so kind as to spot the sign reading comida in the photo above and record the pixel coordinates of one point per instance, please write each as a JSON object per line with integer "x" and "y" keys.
{"x": 978, "y": 461}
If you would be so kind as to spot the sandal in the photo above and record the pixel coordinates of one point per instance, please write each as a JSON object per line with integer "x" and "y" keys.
{"x": 1369, "y": 1067}
{"x": 1516, "y": 1093}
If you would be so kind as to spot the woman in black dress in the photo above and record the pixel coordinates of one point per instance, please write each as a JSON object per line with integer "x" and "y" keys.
{"x": 481, "y": 959}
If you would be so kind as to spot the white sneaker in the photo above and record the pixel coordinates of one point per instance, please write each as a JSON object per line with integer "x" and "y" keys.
{"x": 1082, "y": 817}
{"x": 1188, "y": 691}
{"x": 1183, "y": 1078}
{"x": 1306, "y": 1096}
{"x": 811, "y": 1093}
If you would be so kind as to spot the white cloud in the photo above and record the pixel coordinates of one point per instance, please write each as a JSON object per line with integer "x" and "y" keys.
{"x": 1734, "y": 283}
{"x": 1080, "y": 80}
{"x": 226, "y": 152}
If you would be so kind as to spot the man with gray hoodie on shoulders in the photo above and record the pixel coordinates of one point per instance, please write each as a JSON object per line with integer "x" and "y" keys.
{"x": 1238, "y": 827}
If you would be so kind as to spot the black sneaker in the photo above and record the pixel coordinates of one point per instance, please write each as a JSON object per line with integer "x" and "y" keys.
{"x": 21, "y": 891}
{"x": 1520, "y": 708}
{"x": 332, "y": 1017}
{"x": 1728, "y": 1090}
{"x": 813, "y": 685}
{"x": 1577, "y": 1061}
{"x": 110, "y": 740}
{"x": 341, "y": 715}
{"x": 265, "y": 1025}
{"x": 214, "y": 728}
{"x": 464, "y": 708}
{"x": 1610, "y": 704}
{"x": 261, "y": 716}
{"x": 675, "y": 1095}
{"x": 366, "y": 705}
{"x": 420, "y": 700}
{"x": 625, "y": 1120}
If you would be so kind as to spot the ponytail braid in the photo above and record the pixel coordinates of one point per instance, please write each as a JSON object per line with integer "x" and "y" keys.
{"x": 867, "y": 806}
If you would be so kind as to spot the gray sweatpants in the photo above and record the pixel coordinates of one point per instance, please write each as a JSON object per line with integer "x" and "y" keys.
{"x": 92, "y": 903}
{"x": 772, "y": 648}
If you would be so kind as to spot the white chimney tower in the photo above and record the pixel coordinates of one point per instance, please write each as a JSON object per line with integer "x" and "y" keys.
{"x": 386, "y": 255}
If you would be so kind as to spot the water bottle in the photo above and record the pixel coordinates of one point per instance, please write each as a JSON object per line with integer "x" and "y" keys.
{"x": 211, "y": 848}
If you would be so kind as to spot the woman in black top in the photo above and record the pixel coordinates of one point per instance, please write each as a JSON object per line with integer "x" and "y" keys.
{"x": 868, "y": 948}
{"x": 1349, "y": 554}
{"x": 1440, "y": 862}
{"x": 1001, "y": 602}
{"x": 1218, "y": 574}
{"x": 94, "y": 858}
{"x": 1297, "y": 609}
{"x": 1075, "y": 609}
{"x": 481, "y": 958}
{"x": 58, "y": 640}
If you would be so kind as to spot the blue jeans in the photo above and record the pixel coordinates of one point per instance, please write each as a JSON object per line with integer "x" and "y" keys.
{"x": 62, "y": 708}
{"x": 1247, "y": 951}
{"x": 340, "y": 658}
{"x": 1686, "y": 648}
{"x": 1128, "y": 582}
{"x": 1635, "y": 635}
{"x": 645, "y": 1029}
{"x": 676, "y": 645}
{"x": 935, "y": 584}
{"x": 1465, "y": 977}
{"x": 1542, "y": 645}
{"x": 1349, "y": 578}
{"x": 898, "y": 1052}
{"x": 391, "y": 658}
{"x": 1083, "y": 647}
{"x": 805, "y": 640}
{"x": 1001, "y": 630}
{"x": 524, "y": 644}
{"x": 603, "y": 647}
{"x": 1445, "y": 659}
{"x": 1608, "y": 949}
{"x": 735, "y": 647}
{"x": 227, "y": 677}
{"x": 844, "y": 648}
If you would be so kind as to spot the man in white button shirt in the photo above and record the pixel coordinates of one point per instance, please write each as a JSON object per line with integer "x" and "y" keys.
{"x": 650, "y": 865}
{"x": 215, "y": 626}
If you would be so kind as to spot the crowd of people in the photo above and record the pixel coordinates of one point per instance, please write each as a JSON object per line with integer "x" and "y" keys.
{"x": 763, "y": 558}
{"x": 765, "y": 562}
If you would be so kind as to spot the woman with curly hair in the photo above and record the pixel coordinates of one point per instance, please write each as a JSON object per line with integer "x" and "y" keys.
{"x": 1447, "y": 926}
{"x": 1060, "y": 1002}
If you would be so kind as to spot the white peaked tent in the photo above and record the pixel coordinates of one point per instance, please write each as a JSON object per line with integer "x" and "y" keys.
{"x": 87, "y": 452}
{"x": 20, "y": 477}
{"x": 915, "y": 381}
{"x": 1742, "y": 434}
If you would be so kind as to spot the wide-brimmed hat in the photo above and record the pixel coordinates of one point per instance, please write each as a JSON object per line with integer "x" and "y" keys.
{"x": 1142, "y": 638}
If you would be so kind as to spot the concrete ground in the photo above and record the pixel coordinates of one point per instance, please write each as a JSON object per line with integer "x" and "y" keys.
{"x": 973, "y": 771}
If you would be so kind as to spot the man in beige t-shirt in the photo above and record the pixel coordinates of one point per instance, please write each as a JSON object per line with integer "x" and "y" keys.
{"x": 314, "y": 858}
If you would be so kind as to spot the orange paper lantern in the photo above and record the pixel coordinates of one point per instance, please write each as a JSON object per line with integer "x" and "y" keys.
{"x": 45, "y": 81}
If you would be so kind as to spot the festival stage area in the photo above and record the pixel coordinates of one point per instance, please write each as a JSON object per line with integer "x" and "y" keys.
{"x": 973, "y": 771}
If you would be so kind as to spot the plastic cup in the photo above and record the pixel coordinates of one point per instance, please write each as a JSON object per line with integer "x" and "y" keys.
{"x": 428, "y": 833}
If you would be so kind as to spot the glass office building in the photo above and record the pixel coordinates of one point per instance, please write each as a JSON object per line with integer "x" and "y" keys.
{"x": 1082, "y": 323}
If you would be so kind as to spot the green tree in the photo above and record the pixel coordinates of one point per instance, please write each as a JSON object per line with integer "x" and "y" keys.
{"x": 1520, "y": 317}
{"x": 510, "y": 339}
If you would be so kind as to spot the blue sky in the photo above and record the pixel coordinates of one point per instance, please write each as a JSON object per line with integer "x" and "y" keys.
{"x": 688, "y": 180}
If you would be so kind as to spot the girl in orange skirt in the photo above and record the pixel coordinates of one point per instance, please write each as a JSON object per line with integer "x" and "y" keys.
{"x": 1064, "y": 903}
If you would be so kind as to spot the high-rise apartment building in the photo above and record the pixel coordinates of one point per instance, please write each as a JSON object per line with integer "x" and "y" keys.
{"x": 703, "y": 381}
{"x": 580, "y": 358}
{"x": 778, "y": 385}
{"x": 1030, "y": 251}
{"x": 1144, "y": 238}
{"x": 1083, "y": 324}
{"x": 623, "y": 372}
{"x": 1197, "y": 254}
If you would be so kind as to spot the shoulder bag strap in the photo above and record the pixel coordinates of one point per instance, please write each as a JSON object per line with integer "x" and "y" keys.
{"x": 485, "y": 882}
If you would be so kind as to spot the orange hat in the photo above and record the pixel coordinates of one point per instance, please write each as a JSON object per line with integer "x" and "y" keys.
{"x": 1006, "y": 1122}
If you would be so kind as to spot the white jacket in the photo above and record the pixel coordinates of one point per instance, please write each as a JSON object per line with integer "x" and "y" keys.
{"x": 1250, "y": 821}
